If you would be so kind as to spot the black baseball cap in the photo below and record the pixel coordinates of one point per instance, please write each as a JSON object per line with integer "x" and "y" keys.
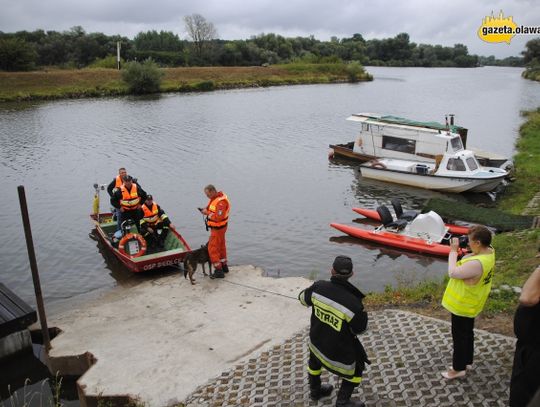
{"x": 343, "y": 265}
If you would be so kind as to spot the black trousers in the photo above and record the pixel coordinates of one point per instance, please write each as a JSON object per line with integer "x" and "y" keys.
{"x": 463, "y": 338}
{"x": 525, "y": 380}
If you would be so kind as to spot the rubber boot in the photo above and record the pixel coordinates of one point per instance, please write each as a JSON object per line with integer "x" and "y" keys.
{"x": 344, "y": 395}
{"x": 224, "y": 267}
{"x": 218, "y": 273}
{"x": 317, "y": 390}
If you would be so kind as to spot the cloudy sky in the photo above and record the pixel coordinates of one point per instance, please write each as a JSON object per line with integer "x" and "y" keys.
{"x": 428, "y": 22}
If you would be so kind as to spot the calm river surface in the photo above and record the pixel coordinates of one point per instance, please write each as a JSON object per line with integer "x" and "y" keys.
{"x": 266, "y": 148}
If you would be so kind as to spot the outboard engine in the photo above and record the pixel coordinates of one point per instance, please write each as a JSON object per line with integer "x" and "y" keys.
{"x": 428, "y": 226}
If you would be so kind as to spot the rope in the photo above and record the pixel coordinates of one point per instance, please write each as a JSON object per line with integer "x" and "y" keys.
{"x": 179, "y": 267}
{"x": 261, "y": 290}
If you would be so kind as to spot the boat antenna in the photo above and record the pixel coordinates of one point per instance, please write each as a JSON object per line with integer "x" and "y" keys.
{"x": 446, "y": 120}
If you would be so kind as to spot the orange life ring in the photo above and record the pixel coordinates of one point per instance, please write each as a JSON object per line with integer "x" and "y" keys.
{"x": 127, "y": 238}
{"x": 378, "y": 164}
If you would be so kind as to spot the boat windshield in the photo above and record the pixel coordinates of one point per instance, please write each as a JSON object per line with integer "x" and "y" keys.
{"x": 472, "y": 163}
{"x": 457, "y": 145}
{"x": 455, "y": 164}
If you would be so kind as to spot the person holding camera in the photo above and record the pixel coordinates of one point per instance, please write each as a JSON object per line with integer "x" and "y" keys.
{"x": 466, "y": 294}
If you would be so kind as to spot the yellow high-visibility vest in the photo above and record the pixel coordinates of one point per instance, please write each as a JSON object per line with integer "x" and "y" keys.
{"x": 468, "y": 300}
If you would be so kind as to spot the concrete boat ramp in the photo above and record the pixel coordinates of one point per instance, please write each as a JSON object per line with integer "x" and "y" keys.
{"x": 158, "y": 341}
{"x": 242, "y": 341}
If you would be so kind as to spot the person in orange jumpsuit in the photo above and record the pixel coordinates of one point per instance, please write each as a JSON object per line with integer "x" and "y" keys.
{"x": 217, "y": 217}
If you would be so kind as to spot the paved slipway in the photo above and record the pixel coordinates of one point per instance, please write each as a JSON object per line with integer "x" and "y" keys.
{"x": 242, "y": 342}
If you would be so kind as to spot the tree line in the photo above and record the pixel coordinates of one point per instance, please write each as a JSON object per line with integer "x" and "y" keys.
{"x": 24, "y": 50}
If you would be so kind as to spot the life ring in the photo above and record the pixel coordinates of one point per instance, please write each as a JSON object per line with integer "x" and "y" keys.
{"x": 378, "y": 164}
{"x": 127, "y": 238}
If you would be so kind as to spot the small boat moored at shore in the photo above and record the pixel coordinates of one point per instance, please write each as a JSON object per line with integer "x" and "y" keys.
{"x": 374, "y": 215}
{"x": 396, "y": 137}
{"x": 427, "y": 233}
{"x": 455, "y": 172}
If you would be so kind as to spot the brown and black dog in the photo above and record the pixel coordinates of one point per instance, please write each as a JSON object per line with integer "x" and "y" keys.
{"x": 193, "y": 259}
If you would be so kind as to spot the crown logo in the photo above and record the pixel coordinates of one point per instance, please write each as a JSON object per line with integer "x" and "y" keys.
{"x": 497, "y": 29}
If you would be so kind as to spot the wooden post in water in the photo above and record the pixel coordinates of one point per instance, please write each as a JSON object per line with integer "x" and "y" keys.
{"x": 33, "y": 267}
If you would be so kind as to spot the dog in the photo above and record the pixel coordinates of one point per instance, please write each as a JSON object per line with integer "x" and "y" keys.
{"x": 193, "y": 259}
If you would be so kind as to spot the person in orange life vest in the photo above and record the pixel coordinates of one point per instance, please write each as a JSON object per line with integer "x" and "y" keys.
{"x": 217, "y": 217}
{"x": 127, "y": 200}
{"x": 155, "y": 223}
{"x": 117, "y": 181}
{"x": 114, "y": 185}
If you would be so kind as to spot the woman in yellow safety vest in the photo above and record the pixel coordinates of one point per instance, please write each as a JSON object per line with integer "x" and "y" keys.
{"x": 466, "y": 294}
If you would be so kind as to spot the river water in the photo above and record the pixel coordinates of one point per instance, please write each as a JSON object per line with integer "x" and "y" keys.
{"x": 266, "y": 148}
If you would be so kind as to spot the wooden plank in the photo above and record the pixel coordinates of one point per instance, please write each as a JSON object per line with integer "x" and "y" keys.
{"x": 11, "y": 296}
{"x": 15, "y": 314}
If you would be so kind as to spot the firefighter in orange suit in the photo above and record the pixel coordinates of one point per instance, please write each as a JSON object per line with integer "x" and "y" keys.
{"x": 217, "y": 217}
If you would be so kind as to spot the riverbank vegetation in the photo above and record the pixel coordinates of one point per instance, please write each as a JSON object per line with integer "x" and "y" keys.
{"x": 24, "y": 50}
{"x": 516, "y": 250}
{"x": 531, "y": 59}
{"x": 59, "y": 83}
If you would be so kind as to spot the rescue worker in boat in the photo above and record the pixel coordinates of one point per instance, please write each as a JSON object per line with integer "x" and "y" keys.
{"x": 114, "y": 185}
{"x": 127, "y": 200}
{"x": 155, "y": 223}
{"x": 337, "y": 317}
{"x": 217, "y": 217}
{"x": 117, "y": 181}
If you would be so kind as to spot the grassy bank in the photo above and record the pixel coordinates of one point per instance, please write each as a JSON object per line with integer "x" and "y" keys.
{"x": 516, "y": 251}
{"x": 56, "y": 84}
{"x": 532, "y": 73}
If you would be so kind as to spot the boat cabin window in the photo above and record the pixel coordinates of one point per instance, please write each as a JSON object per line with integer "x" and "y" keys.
{"x": 399, "y": 144}
{"x": 455, "y": 164}
{"x": 472, "y": 163}
{"x": 365, "y": 127}
{"x": 457, "y": 145}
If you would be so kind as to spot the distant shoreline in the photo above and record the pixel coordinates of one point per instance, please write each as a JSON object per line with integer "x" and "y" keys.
{"x": 84, "y": 83}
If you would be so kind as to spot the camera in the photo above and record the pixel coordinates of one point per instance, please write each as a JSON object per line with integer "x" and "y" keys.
{"x": 463, "y": 241}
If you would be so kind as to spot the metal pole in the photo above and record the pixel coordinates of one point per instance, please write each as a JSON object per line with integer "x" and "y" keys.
{"x": 33, "y": 267}
{"x": 118, "y": 55}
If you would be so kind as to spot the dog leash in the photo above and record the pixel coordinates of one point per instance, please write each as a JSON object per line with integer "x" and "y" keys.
{"x": 261, "y": 290}
{"x": 244, "y": 285}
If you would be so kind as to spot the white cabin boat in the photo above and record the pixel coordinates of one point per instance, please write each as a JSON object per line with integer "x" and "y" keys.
{"x": 454, "y": 172}
{"x": 396, "y": 137}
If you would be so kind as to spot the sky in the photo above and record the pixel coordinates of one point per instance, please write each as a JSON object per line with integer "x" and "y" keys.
{"x": 427, "y": 22}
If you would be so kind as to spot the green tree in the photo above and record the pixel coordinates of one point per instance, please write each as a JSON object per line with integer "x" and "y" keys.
{"x": 142, "y": 77}
{"x": 16, "y": 55}
{"x": 154, "y": 41}
{"x": 532, "y": 51}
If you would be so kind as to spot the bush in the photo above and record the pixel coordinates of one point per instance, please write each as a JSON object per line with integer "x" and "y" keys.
{"x": 163, "y": 58}
{"x": 142, "y": 78}
{"x": 354, "y": 70}
{"x": 107, "y": 63}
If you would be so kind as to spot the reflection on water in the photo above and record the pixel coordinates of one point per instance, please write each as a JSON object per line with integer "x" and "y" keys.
{"x": 266, "y": 148}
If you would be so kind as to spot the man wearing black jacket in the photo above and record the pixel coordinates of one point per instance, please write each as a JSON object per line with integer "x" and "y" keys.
{"x": 337, "y": 317}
